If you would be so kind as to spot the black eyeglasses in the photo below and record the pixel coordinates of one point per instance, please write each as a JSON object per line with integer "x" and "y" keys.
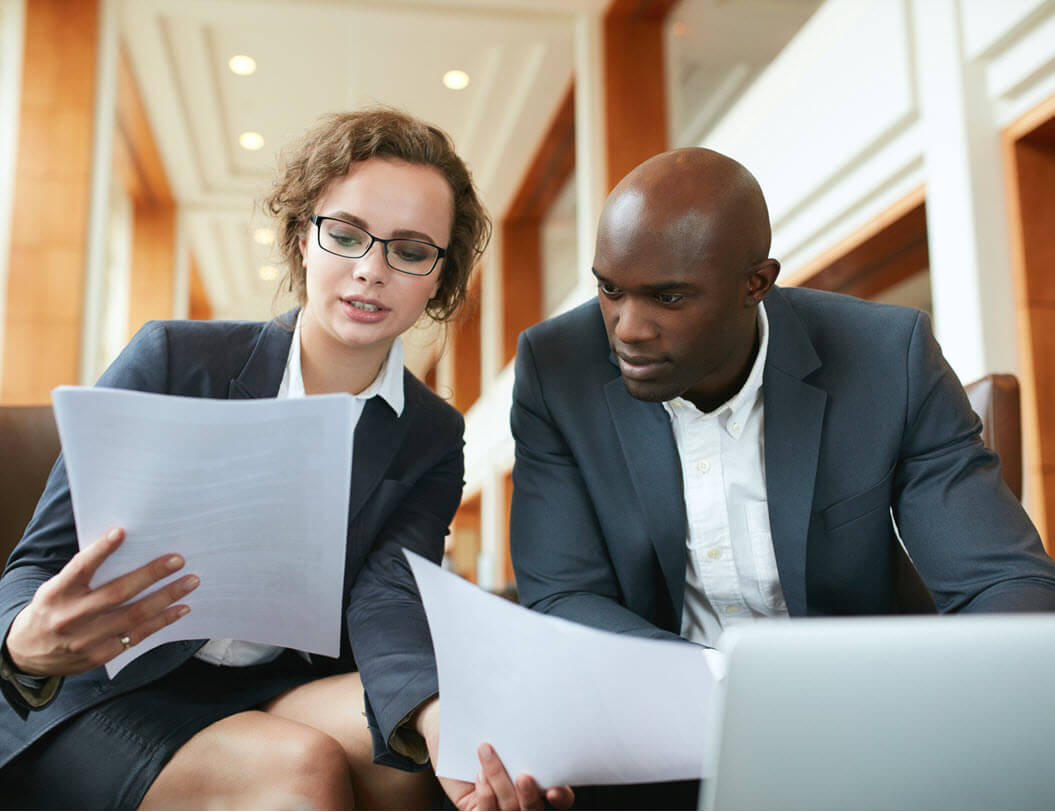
{"x": 415, "y": 257}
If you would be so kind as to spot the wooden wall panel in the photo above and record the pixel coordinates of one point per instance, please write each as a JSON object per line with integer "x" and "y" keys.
{"x": 200, "y": 304}
{"x": 1031, "y": 159}
{"x": 49, "y": 229}
{"x": 466, "y": 348}
{"x": 152, "y": 281}
{"x": 635, "y": 85}
{"x": 464, "y": 544}
{"x": 521, "y": 280}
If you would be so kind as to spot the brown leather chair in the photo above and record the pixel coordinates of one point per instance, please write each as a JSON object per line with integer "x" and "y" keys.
{"x": 29, "y": 444}
{"x": 995, "y": 399}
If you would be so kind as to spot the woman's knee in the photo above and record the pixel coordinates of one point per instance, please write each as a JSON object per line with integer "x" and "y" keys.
{"x": 313, "y": 766}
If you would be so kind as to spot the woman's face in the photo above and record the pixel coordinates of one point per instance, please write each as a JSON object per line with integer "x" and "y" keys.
{"x": 363, "y": 303}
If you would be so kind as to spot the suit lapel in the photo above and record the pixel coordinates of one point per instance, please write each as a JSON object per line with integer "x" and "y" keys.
{"x": 378, "y": 436}
{"x": 262, "y": 374}
{"x": 794, "y": 417}
{"x": 652, "y": 457}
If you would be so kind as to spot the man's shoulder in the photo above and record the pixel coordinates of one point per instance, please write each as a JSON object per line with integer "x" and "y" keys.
{"x": 843, "y": 321}
{"x": 579, "y": 328}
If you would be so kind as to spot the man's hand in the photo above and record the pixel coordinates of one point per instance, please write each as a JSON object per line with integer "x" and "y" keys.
{"x": 493, "y": 789}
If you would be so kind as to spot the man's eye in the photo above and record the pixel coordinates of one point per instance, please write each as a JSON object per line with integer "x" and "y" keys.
{"x": 669, "y": 298}
{"x": 607, "y": 289}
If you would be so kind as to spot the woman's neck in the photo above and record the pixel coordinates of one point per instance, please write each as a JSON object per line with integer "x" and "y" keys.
{"x": 327, "y": 365}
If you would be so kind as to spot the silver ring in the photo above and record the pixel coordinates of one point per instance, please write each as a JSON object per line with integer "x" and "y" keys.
{"x": 126, "y": 642}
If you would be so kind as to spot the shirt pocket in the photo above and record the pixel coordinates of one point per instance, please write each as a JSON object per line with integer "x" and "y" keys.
{"x": 756, "y": 515}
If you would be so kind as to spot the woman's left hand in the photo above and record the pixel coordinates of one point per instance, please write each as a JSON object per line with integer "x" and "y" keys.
{"x": 493, "y": 788}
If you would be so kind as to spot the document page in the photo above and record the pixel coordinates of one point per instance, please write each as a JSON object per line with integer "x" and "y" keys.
{"x": 563, "y": 702}
{"x": 252, "y": 493}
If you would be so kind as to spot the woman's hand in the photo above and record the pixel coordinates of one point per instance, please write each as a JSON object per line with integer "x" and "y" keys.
{"x": 70, "y": 628}
{"x": 493, "y": 788}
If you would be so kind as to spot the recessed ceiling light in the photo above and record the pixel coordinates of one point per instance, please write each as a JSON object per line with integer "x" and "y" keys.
{"x": 241, "y": 64}
{"x": 679, "y": 29}
{"x": 263, "y": 236}
{"x": 268, "y": 272}
{"x": 251, "y": 140}
{"x": 456, "y": 79}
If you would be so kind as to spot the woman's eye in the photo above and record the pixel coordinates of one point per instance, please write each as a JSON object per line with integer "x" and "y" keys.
{"x": 346, "y": 240}
{"x": 410, "y": 255}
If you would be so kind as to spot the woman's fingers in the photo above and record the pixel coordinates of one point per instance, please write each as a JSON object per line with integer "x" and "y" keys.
{"x": 115, "y": 644}
{"x": 126, "y": 587}
{"x": 77, "y": 574}
{"x": 145, "y": 612}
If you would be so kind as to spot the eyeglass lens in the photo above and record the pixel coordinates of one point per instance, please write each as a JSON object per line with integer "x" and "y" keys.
{"x": 408, "y": 256}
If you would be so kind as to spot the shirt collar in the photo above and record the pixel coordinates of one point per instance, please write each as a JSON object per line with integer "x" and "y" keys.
{"x": 388, "y": 384}
{"x": 739, "y": 404}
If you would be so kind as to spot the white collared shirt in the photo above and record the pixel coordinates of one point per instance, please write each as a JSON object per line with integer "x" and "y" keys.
{"x": 389, "y": 386}
{"x": 731, "y": 569}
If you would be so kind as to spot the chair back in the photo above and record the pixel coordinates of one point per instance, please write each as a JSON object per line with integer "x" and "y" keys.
{"x": 995, "y": 399}
{"x": 29, "y": 445}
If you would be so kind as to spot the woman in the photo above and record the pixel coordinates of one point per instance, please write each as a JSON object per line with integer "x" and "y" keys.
{"x": 379, "y": 223}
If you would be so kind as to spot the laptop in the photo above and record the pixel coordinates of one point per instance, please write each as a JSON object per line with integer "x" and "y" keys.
{"x": 887, "y": 713}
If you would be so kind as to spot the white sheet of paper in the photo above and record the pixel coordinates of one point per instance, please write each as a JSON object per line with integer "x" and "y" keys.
{"x": 565, "y": 703}
{"x": 252, "y": 493}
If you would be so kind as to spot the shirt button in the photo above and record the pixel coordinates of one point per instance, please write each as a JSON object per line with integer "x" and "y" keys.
{"x": 735, "y": 428}
{"x": 704, "y": 466}
{"x": 732, "y": 609}
{"x": 714, "y": 553}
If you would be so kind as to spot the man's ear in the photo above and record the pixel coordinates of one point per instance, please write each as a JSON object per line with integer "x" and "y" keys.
{"x": 761, "y": 278}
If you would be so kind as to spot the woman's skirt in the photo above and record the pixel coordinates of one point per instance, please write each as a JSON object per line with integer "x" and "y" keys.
{"x": 108, "y": 756}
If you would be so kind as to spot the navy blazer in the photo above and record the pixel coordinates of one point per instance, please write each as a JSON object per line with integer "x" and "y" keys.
{"x": 406, "y": 486}
{"x": 864, "y": 419}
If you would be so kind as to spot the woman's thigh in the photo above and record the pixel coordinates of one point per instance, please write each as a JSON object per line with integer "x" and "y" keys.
{"x": 254, "y": 760}
{"x": 335, "y": 705}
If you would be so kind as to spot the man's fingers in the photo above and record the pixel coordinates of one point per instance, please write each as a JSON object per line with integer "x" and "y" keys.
{"x": 497, "y": 778}
{"x": 528, "y": 793}
{"x": 560, "y": 797}
{"x": 125, "y": 587}
{"x": 79, "y": 570}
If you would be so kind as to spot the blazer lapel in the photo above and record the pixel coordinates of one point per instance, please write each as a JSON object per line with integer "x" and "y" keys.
{"x": 262, "y": 374}
{"x": 652, "y": 457}
{"x": 378, "y": 436}
{"x": 794, "y": 417}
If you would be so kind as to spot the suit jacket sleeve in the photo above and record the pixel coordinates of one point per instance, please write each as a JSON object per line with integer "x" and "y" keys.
{"x": 968, "y": 536}
{"x": 556, "y": 542}
{"x": 386, "y": 622}
{"x": 50, "y": 540}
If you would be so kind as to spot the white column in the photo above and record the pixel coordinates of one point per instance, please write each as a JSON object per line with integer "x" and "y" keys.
{"x": 12, "y": 27}
{"x": 181, "y": 271}
{"x": 967, "y": 228}
{"x": 102, "y": 175}
{"x": 590, "y": 152}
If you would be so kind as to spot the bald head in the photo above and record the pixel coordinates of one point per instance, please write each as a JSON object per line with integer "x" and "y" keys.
{"x": 696, "y": 202}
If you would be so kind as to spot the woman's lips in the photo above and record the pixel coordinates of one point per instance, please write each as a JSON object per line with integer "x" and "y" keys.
{"x": 365, "y": 311}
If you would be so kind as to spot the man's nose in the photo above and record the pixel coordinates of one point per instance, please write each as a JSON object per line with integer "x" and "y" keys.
{"x": 372, "y": 268}
{"x": 632, "y": 324}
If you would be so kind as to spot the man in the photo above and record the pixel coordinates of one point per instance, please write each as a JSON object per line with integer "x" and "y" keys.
{"x": 698, "y": 448}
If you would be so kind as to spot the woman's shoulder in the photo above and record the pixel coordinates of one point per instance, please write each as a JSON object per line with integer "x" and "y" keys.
{"x": 429, "y": 407}
{"x": 162, "y": 354}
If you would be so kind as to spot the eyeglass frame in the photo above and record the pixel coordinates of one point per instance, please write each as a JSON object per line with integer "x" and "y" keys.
{"x": 316, "y": 220}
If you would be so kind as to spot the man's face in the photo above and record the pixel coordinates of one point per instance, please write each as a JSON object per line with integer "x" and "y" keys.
{"x": 676, "y": 306}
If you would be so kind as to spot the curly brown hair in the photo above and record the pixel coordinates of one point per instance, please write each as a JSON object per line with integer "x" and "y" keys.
{"x": 328, "y": 150}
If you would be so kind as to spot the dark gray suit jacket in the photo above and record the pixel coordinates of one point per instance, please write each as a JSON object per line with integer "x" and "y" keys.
{"x": 406, "y": 487}
{"x": 862, "y": 415}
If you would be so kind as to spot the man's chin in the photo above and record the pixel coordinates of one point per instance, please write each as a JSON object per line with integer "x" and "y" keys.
{"x": 650, "y": 391}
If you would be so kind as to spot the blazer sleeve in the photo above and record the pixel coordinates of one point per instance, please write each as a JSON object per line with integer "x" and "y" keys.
{"x": 556, "y": 542}
{"x": 970, "y": 539}
{"x": 386, "y": 621}
{"x": 50, "y": 539}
